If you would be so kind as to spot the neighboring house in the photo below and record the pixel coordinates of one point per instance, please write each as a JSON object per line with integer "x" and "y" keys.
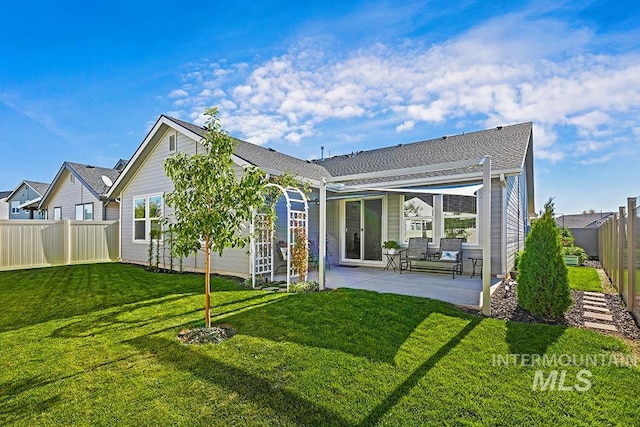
{"x": 4, "y": 206}
{"x": 583, "y": 220}
{"x": 427, "y": 188}
{"x": 584, "y": 228}
{"x": 78, "y": 192}
{"x": 23, "y": 201}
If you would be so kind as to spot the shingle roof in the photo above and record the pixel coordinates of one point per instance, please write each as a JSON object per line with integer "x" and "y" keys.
{"x": 39, "y": 187}
{"x": 507, "y": 146}
{"x": 92, "y": 176}
{"x": 266, "y": 158}
{"x": 583, "y": 220}
{"x": 5, "y": 194}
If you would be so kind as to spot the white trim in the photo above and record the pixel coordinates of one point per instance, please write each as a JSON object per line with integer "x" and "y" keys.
{"x": 342, "y": 230}
{"x": 147, "y": 220}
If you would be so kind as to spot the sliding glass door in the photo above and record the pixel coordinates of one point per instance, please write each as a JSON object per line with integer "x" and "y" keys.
{"x": 363, "y": 230}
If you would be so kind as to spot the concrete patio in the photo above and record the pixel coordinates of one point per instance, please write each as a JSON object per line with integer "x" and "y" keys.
{"x": 462, "y": 291}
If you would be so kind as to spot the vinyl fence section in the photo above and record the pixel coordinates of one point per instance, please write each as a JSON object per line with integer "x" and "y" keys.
{"x": 620, "y": 253}
{"x": 42, "y": 243}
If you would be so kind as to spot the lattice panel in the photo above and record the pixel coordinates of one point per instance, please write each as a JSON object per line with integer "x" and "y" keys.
{"x": 263, "y": 247}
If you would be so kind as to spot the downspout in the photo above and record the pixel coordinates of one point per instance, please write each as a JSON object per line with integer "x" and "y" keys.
{"x": 503, "y": 241}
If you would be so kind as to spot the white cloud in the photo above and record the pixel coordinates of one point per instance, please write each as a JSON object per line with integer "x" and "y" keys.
{"x": 405, "y": 126}
{"x": 178, "y": 93}
{"x": 513, "y": 68}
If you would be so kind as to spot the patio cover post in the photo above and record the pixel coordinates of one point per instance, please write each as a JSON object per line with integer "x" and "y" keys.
{"x": 322, "y": 230}
{"x": 486, "y": 235}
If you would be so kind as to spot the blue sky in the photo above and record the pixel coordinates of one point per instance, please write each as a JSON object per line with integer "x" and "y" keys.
{"x": 84, "y": 81}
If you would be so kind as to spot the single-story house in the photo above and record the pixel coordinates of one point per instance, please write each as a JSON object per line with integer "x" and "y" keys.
{"x": 430, "y": 188}
{"x": 4, "y": 206}
{"x": 79, "y": 191}
{"x": 23, "y": 201}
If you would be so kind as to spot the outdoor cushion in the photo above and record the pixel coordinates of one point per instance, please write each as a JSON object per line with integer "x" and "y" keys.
{"x": 449, "y": 256}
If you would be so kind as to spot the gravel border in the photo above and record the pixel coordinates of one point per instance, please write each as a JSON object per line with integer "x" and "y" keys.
{"x": 504, "y": 305}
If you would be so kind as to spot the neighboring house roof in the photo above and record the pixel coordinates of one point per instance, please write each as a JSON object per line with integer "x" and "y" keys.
{"x": 583, "y": 220}
{"x": 5, "y": 194}
{"x": 39, "y": 187}
{"x": 121, "y": 164}
{"x": 90, "y": 176}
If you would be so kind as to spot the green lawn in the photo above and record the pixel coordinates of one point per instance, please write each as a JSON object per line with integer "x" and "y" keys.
{"x": 584, "y": 279}
{"x": 96, "y": 345}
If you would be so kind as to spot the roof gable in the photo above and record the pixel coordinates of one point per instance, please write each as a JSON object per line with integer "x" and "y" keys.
{"x": 89, "y": 176}
{"x": 39, "y": 187}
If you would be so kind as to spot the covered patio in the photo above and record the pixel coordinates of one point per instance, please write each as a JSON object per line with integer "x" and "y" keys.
{"x": 462, "y": 291}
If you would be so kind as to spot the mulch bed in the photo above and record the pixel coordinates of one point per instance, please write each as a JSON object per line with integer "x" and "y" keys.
{"x": 504, "y": 305}
{"x": 214, "y": 334}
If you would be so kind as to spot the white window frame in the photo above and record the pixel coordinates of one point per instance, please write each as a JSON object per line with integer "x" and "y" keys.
{"x": 438, "y": 221}
{"x": 57, "y": 213}
{"x": 84, "y": 211}
{"x": 14, "y": 207}
{"x": 403, "y": 219}
{"x": 147, "y": 220}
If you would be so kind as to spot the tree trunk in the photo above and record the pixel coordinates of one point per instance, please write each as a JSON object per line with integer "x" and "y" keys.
{"x": 207, "y": 283}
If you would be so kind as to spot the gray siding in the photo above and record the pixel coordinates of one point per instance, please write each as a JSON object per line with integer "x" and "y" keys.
{"x": 333, "y": 232}
{"x": 23, "y": 195}
{"x": 112, "y": 211}
{"x": 150, "y": 179}
{"x": 517, "y": 214}
{"x": 496, "y": 227}
{"x": 69, "y": 193}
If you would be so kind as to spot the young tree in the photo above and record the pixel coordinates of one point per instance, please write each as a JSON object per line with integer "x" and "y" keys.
{"x": 211, "y": 205}
{"x": 543, "y": 279}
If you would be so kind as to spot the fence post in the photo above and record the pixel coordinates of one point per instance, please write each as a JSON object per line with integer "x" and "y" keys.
{"x": 67, "y": 240}
{"x": 620, "y": 257}
{"x": 631, "y": 252}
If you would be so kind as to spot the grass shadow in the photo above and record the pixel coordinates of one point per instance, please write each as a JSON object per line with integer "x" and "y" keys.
{"x": 260, "y": 391}
{"x": 412, "y": 380}
{"x": 361, "y": 323}
{"x": 532, "y": 338}
{"x": 39, "y": 295}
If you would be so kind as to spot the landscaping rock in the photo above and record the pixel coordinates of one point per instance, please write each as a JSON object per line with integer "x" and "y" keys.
{"x": 214, "y": 334}
{"x": 504, "y": 305}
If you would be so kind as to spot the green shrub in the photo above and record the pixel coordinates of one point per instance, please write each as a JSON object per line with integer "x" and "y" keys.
{"x": 575, "y": 250}
{"x": 543, "y": 279}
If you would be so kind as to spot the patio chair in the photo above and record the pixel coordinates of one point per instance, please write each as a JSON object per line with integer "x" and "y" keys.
{"x": 314, "y": 255}
{"x": 417, "y": 250}
{"x": 283, "y": 253}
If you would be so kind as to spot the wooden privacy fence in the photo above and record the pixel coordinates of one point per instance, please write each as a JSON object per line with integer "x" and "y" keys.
{"x": 42, "y": 243}
{"x": 620, "y": 253}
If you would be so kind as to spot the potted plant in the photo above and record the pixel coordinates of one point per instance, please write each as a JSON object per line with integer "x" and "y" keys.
{"x": 391, "y": 246}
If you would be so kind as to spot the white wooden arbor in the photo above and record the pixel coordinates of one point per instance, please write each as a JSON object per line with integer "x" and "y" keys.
{"x": 339, "y": 186}
{"x": 262, "y": 234}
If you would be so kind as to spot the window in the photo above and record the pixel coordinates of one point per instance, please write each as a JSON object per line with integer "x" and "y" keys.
{"x": 84, "y": 212}
{"x": 460, "y": 217}
{"x": 147, "y": 216}
{"x": 14, "y": 207}
{"x": 418, "y": 216}
{"x": 172, "y": 143}
{"x": 57, "y": 213}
